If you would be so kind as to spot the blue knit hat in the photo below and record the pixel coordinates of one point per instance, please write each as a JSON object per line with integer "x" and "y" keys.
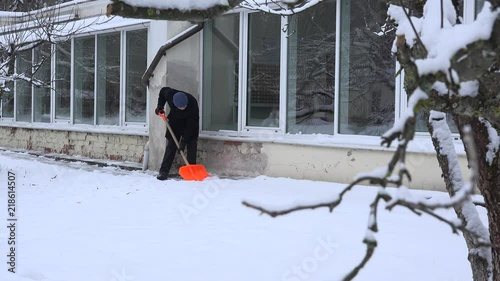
{"x": 180, "y": 99}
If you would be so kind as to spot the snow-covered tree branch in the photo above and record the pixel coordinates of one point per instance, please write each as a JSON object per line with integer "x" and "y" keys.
{"x": 199, "y": 11}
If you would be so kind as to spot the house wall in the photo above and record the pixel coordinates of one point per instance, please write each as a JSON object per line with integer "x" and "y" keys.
{"x": 335, "y": 164}
{"x": 238, "y": 156}
{"x": 94, "y": 145}
{"x": 122, "y": 143}
{"x": 179, "y": 69}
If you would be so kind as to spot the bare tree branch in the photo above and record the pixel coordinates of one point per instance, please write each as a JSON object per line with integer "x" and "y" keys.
{"x": 330, "y": 205}
{"x": 39, "y": 27}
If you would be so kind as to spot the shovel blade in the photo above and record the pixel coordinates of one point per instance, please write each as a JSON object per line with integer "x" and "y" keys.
{"x": 193, "y": 172}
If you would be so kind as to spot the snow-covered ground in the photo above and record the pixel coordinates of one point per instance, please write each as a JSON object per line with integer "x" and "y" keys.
{"x": 77, "y": 222}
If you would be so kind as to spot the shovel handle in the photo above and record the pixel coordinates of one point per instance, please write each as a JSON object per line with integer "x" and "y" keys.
{"x": 162, "y": 115}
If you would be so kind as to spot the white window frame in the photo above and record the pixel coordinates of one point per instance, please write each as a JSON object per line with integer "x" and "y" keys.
{"x": 246, "y": 129}
{"x": 123, "y": 82}
{"x": 53, "y": 92}
{"x": 422, "y": 141}
{"x": 68, "y": 124}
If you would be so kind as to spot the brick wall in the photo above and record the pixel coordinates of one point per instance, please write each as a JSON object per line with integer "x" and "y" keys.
{"x": 94, "y": 145}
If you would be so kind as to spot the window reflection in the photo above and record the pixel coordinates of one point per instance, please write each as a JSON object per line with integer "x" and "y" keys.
{"x": 108, "y": 79}
{"x": 136, "y": 62}
{"x": 263, "y": 71}
{"x": 7, "y": 100}
{"x": 311, "y": 70}
{"x": 84, "y": 80}
{"x": 63, "y": 81}
{"x": 220, "y": 73}
{"x": 42, "y": 92}
{"x": 23, "y": 87}
{"x": 367, "y": 69}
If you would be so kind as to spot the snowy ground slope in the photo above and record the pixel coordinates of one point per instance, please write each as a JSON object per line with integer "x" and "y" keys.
{"x": 82, "y": 223}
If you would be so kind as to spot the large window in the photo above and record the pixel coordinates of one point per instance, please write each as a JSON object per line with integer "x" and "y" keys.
{"x": 84, "y": 74}
{"x": 7, "y": 101}
{"x": 63, "y": 81}
{"x": 291, "y": 75}
{"x": 311, "y": 70}
{"x": 33, "y": 88}
{"x": 263, "y": 70}
{"x": 41, "y": 92}
{"x": 102, "y": 55}
{"x": 108, "y": 79}
{"x": 93, "y": 80}
{"x": 221, "y": 73}
{"x": 136, "y": 62}
{"x": 23, "y": 87}
{"x": 367, "y": 70}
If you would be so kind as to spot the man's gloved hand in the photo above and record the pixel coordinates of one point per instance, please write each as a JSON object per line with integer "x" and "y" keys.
{"x": 159, "y": 111}
{"x": 182, "y": 145}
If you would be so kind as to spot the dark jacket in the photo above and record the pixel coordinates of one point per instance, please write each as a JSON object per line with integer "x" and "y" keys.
{"x": 185, "y": 123}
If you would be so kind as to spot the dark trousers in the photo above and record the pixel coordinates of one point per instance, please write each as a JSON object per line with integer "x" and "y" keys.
{"x": 171, "y": 150}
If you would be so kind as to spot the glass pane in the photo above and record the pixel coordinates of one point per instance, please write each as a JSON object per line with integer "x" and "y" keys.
{"x": 367, "y": 69}
{"x": 220, "y": 73}
{"x": 108, "y": 79}
{"x": 137, "y": 56}
{"x": 42, "y": 92}
{"x": 63, "y": 81}
{"x": 479, "y": 6}
{"x": 84, "y": 80}
{"x": 23, "y": 88}
{"x": 7, "y": 94}
{"x": 421, "y": 123}
{"x": 311, "y": 70}
{"x": 263, "y": 78}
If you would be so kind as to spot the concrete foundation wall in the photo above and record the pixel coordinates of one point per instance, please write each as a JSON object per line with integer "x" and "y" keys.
{"x": 233, "y": 158}
{"x": 94, "y": 145}
{"x": 229, "y": 158}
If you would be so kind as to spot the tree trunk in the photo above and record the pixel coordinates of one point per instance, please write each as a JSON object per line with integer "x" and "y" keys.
{"x": 479, "y": 256}
{"x": 491, "y": 193}
{"x": 488, "y": 184}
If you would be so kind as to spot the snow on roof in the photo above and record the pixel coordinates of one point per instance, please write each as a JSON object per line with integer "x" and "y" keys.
{"x": 176, "y": 4}
{"x": 104, "y": 23}
{"x": 88, "y": 25}
{"x": 8, "y": 14}
{"x": 206, "y": 4}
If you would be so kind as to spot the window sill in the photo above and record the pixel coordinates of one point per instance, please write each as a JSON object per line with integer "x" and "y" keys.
{"x": 421, "y": 143}
{"x": 124, "y": 130}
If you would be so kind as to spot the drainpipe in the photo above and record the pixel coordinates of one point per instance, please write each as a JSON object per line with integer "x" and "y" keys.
{"x": 145, "y": 159}
{"x": 163, "y": 50}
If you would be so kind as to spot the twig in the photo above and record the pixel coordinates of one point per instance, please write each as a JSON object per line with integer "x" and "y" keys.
{"x": 414, "y": 29}
{"x": 442, "y": 14}
{"x": 330, "y": 205}
{"x": 370, "y": 249}
{"x": 455, "y": 228}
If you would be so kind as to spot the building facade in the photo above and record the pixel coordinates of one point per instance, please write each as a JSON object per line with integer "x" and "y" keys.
{"x": 305, "y": 96}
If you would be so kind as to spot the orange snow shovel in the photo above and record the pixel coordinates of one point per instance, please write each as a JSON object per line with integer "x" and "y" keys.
{"x": 190, "y": 172}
